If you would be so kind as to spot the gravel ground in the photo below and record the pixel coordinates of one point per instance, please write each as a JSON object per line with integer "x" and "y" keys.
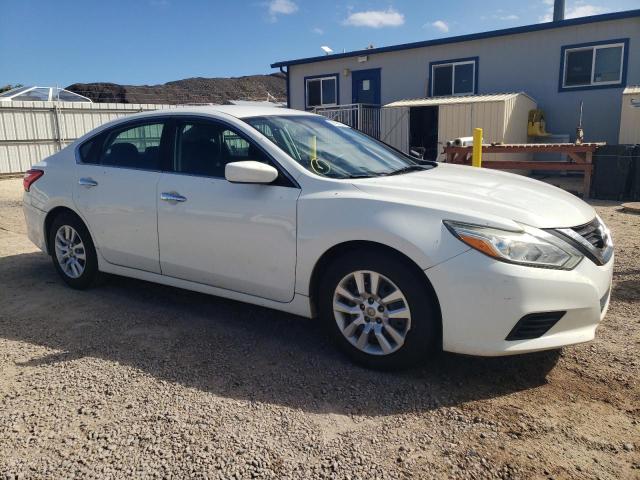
{"x": 132, "y": 379}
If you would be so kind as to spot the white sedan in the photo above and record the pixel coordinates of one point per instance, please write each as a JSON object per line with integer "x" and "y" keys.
{"x": 397, "y": 257}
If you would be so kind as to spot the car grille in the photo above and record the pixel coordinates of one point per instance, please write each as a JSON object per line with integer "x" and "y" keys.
{"x": 592, "y": 233}
{"x": 592, "y": 239}
{"x": 534, "y": 325}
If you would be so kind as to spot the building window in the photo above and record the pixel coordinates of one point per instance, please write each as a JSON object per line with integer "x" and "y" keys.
{"x": 321, "y": 91}
{"x": 454, "y": 77}
{"x": 593, "y": 65}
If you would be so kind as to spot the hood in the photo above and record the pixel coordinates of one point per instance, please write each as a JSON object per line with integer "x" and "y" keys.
{"x": 469, "y": 193}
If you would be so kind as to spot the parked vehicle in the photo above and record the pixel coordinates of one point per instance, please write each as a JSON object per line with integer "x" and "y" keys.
{"x": 286, "y": 209}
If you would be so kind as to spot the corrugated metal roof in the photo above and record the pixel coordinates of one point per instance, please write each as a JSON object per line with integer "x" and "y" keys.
{"x": 425, "y": 102}
{"x": 632, "y": 90}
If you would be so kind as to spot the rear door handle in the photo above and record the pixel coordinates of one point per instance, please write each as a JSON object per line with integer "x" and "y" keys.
{"x": 87, "y": 182}
{"x": 172, "y": 197}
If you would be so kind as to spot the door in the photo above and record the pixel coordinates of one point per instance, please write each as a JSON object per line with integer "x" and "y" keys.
{"x": 365, "y": 86}
{"x": 423, "y": 131}
{"x": 115, "y": 192}
{"x": 239, "y": 237}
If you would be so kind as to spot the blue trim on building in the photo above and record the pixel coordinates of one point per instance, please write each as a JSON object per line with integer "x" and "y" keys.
{"x": 466, "y": 38}
{"x": 625, "y": 59}
{"x": 365, "y": 70}
{"x": 454, "y": 60}
{"x": 311, "y": 77}
{"x": 288, "y": 89}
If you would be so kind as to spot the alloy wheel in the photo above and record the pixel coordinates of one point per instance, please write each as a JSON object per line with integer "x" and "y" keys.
{"x": 70, "y": 251}
{"x": 371, "y": 312}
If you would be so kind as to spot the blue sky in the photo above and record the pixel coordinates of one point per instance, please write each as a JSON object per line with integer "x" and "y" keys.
{"x": 60, "y": 42}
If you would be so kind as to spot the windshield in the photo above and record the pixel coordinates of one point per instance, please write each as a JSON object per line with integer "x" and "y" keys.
{"x": 332, "y": 149}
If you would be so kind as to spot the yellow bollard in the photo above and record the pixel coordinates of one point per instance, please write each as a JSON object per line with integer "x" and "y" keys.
{"x": 476, "y": 159}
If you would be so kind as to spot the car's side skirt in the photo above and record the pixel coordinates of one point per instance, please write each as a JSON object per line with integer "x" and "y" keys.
{"x": 300, "y": 304}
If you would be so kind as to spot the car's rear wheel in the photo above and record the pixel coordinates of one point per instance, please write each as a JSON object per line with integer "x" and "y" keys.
{"x": 73, "y": 252}
{"x": 379, "y": 310}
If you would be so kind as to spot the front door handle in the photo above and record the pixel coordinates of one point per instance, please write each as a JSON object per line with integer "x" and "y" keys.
{"x": 172, "y": 197}
{"x": 87, "y": 182}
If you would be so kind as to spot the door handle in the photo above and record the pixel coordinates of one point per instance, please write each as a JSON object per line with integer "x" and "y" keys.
{"x": 87, "y": 182}
{"x": 172, "y": 197}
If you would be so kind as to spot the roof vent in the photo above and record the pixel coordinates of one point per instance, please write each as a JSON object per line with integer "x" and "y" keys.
{"x": 558, "y": 10}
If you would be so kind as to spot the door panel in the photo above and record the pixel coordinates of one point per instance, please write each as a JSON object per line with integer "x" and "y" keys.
{"x": 239, "y": 237}
{"x": 115, "y": 191}
{"x": 121, "y": 212}
{"x": 365, "y": 86}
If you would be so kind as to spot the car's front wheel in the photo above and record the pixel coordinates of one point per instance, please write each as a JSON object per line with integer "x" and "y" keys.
{"x": 379, "y": 309}
{"x": 73, "y": 252}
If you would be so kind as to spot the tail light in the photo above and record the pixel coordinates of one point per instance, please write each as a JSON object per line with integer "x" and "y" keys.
{"x": 30, "y": 177}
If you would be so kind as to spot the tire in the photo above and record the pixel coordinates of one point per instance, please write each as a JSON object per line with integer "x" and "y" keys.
{"x": 80, "y": 269}
{"x": 420, "y": 329}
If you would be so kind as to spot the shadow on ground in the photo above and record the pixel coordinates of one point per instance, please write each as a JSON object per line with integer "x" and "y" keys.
{"x": 232, "y": 349}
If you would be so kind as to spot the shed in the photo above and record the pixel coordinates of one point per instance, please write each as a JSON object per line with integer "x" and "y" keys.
{"x": 430, "y": 122}
{"x": 630, "y": 116}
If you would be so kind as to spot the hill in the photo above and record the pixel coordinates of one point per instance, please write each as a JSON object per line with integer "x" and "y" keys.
{"x": 190, "y": 90}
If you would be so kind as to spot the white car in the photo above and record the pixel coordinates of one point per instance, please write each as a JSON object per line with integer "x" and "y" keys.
{"x": 397, "y": 257}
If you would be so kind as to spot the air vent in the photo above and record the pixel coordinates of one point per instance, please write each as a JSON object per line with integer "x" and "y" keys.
{"x": 534, "y": 325}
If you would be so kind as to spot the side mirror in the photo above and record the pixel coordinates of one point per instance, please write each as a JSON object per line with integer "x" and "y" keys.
{"x": 250, "y": 171}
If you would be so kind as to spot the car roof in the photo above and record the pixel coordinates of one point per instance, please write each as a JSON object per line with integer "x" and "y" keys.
{"x": 238, "y": 111}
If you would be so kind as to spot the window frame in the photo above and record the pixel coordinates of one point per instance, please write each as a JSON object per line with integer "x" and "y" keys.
{"x": 328, "y": 76}
{"x": 101, "y": 137}
{"x": 284, "y": 178}
{"x": 594, "y": 46}
{"x": 475, "y": 61}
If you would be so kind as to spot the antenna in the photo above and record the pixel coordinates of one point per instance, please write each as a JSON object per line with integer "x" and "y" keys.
{"x": 326, "y": 49}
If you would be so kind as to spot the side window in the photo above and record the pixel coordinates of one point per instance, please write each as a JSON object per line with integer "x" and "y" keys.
{"x": 89, "y": 151}
{"x": 321, "y": 92}
{"x": 205, "y": 148}
{"x": 593, "y": 66}
{"x": 134, "y": 147}
{"x": 455, "y": 77}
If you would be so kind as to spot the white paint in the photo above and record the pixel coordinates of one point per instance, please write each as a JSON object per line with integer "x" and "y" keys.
{"x": 260, "y": 243}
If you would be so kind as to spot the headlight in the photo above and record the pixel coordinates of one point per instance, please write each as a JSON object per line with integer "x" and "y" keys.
{"x": 529, "y": 246}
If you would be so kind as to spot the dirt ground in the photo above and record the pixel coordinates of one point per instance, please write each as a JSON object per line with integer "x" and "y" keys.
{"x": 132, "y": 379}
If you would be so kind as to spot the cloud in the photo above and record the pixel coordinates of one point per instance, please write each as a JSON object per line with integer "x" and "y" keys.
{"x": 375, "y": 19}
{"x": 579, "y": 9}
{"x": 508, "y": 17}
{"x": 317, "y": 30}
{"x": 441, "y": 25}
{"x": 584, "y": 11}
{"x": 281, "y": 7}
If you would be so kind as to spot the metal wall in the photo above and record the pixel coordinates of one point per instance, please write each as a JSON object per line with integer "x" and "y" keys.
{"x": 394, "y": 127}
{"x": 630, "y": 116}
{"x": 31, "y": 131}
{"x": 503, "y": 120}
{"x": 528, "y": 62}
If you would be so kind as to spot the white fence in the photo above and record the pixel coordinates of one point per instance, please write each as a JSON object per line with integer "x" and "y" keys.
{"x": 363, "y": 117}
{"x": 31, "y": 131}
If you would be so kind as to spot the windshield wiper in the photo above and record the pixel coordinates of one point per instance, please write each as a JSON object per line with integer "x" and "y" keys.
{"x": 407, "y": 169}
{"x": 364, "y": 175}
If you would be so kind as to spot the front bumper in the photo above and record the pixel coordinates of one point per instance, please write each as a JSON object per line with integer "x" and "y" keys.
{"x": 482, "y": 299}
